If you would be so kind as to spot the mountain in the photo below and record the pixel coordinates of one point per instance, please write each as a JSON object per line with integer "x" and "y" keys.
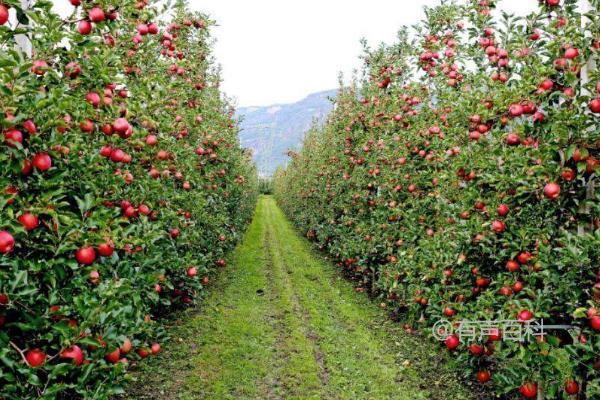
{"x": 273, "y": 130}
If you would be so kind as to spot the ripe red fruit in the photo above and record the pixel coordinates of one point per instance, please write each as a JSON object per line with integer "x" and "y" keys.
{"x": 528, "y": 389}
{"x": 571, "y": 53}
{"x": 30, "y": 127}
{"x": 29, "y": 221}
{"x": 151, "y": 140}
{"x": 121, "y": 125}
{"x": 595, "y": 322}
{"x": 503, "y": 210}
{"x": 595, "y": 106}
{"x": 142, "y": 29}
{"x": 452, "y": 342}
{"x": 518, "y": 286}
{"x": 113, "y": 357}
{"x": 144, "y": 209}
{"x": 73, "y": 70}
{"x": 483, "y": 376}
{"x": 7, "y": 242}
{"x": 143, "y": 353}
{"x": 126, "y": 346}
{"x": 448, "y": 312}
{"x": 75, "y": 3}
{"x": 568, "y": 174}
{"x": 552, "y": 191}
{"x": 513, "y": 139}
{"x": 4, "y": 299}
{"x": 3, "y": 14}
{"x": 106, "y": 151}
{"x": 524, "y": 315}
{"x": 117, "y": 155}
{"x": 94, "y": 277}
{"x": 476, "y": 349}
{"x": 192, "y": 272}
{"x": 155, "y": 348}
{"x": 12, "y": 137}
{"x": 516, "y": 110}
{"x": 153, "y": 29}
{"x": 85, "y": 255}
{"x": 42, "y": 161}
{"x": 512, "y": 266}
{"x": 96, "y": 14}
{"x": 74, "y": 353}
{"x": 571, "y": 387}
{"x": 547, "y": 84}
{"x": 39, "y": 67}
{"x": 174, "y": 232}
{"x": 35, "y": 358}
{"x": 524, "y": 257}
{"x": 84, "y": 27}
{"x": 553, "y": 3}
{"x": 106, "y": 249}
{"x": 498, "y": 226}
{"x": 93, "y": 98}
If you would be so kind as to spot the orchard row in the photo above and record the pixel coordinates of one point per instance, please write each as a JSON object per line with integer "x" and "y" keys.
{"x": 460, "y": 182}
{"x": 123, "y": 186}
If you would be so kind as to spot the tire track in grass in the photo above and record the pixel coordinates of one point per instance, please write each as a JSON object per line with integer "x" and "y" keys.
{"x": 280, "y": 323}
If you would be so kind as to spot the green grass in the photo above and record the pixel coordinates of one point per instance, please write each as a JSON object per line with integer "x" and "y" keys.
{"x": 280, "y": 323}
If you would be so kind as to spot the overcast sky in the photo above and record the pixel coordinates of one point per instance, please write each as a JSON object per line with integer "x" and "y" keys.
{"x": 275, "y": 51}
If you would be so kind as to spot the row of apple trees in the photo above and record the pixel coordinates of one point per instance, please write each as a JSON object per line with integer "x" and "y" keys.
{"x": 123, "y": 187}
{"x": 460, "y": 178}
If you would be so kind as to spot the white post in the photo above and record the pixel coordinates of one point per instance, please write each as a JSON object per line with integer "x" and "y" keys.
{"x": 591, "y": 63}
{"x": 24, "y": 41}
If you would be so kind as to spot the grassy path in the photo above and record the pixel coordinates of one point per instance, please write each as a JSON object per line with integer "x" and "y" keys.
{"x": 280, "y": 323}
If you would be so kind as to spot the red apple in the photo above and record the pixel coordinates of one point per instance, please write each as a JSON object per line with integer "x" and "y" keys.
{"x": 35, "y": 358}
{"x": 155, "y": 348}
{"x": 528, "y": 389}
{"x": 498, "y": 226}
{"x": 106, "y": 249}
{"x": 42, "y": 161}
{"x": 114, "y": 356}
{"x": 476, "y": 349}
{"x": 552, "y": 191}
{"x": 192, "y": 272}
{"x": 85, "y": 255}
{"x": 483, "y": 376}
{"x": 3, "y": 14}
{"x": 595, "y": 105}
{"x": 452, "y": 342}
{"x": 30, "y": 127}
{"x": 96, "y": 14}
{"x": 571, "y": 387}
{"x": 595, "y": 322}
{"x": 12, "y": 137}
{"x": 524, "y": 315}
{"x": 503, "y": 210}
{"x": 571, "y": 53}
{"x": 513, "y": 139}
{"x": 93, "y": 98}
{"x": 126, "y": 346}
{"x": 7, "y": 242}
{"x": 29, "y": 221}
{"x": 512, "y": 266}
{"x": 84, "y": 27}
{"x": 121, "y": 125}
{"x": 143, "y": 353}
{"x": 74, "y": 353}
